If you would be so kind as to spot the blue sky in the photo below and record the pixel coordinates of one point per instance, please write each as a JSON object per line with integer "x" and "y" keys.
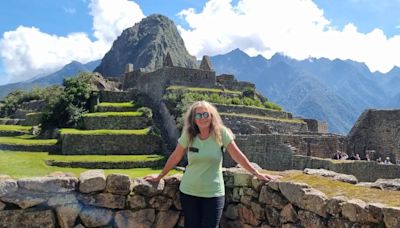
{"x": 40, "y": 36}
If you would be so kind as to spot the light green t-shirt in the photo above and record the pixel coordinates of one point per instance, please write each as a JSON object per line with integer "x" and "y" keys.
{"x": 203, "y": 174}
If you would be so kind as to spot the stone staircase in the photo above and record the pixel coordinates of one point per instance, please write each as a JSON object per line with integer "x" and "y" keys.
{"x": 117, "y": 127}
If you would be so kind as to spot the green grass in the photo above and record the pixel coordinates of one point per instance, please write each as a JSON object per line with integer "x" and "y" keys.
{"x": 34, "y": 113}
{"x": 15, "y": 128}
{"x": 333, "y": 188}
{"x": 28, "y": 164}
{"x": 197, "y": 89}
{"x": 104, "y": 132}
{"x": 263, "y": 117}
{"x": 109, "y": 114}
{"x": 105, "y": 158}
{"x": 28, "y": 140}
{"x": 254, "y": 107}
{"x": 121, "y": 104}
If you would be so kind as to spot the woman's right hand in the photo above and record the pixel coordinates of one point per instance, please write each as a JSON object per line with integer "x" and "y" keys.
{"x": 153, "y": 178}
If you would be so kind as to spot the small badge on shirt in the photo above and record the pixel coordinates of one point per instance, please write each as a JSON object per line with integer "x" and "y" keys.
{"x": 193, "y": 149}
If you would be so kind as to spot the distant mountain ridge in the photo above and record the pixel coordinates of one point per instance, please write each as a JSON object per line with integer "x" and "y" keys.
{"x": 55, "y": 78}
{"x": 335, "y": 91}
{"x": 146, "y": 45}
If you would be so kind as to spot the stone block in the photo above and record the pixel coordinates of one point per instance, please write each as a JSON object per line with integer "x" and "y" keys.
{"x": 25, "y": 199}
{"x": 22, "y": 218}
{"x": 67, "y": 215}
{"x": 304, "y": 197}
{"x": 148, "y": 188}
{"x": 92, "y": 181}
{"x": 288, "y": 214}
{"x": 105, "y": 200}
{"x": 7, "y": 185}
{"x": 118, "y": 184}
{"x": 166, "y": 219}
{"x": 137, "y": 202}
{"x": 272, "y": 198}
{"x": 356, "y": 211}
{"x": 141, "y": 218}
{"x": 49, "y": 184}
{"x": 94, "y": 217}
{"x": 391, "y": 216}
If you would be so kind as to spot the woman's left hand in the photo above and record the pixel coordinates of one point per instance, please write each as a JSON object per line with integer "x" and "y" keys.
{"x": 265, "y": 177}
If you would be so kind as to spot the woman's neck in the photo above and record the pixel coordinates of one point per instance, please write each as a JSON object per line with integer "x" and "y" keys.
{"x": 204, "y": 133}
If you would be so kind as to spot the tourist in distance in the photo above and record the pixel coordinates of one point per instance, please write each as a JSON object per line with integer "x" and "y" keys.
{"x": 202, "y": 190}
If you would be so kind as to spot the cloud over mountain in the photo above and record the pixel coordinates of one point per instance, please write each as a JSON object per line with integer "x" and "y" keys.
{"x": 296, "y": 28}
{"x": 27, "y": 51}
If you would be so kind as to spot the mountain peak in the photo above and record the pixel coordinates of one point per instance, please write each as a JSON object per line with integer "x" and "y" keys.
{"x": 146, "y": 45}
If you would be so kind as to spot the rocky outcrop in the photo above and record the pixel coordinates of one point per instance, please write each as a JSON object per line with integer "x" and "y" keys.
{"x": 146, "y": 45}
{"x": 96, "y": 200}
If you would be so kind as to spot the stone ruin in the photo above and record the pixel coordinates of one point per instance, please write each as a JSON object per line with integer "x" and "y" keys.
{"x": 97, "y": 200}
{"x": 306, "y": 137}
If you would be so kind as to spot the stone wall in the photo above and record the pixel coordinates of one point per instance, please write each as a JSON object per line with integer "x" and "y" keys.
{"x": 74, "y": 144}
{"x": 96, "y": 200}
{"x": 323, "y": 146}
{"x": 253, "y": 111}
{"x": 248, "y": 125}
{"x": 115, "y": 97}
{"x": 368, "y": 171}
{"x": 116, "y": 122}
{"x": 316, "y": 125}
{"x": 228, "y": 81}
{"x": 267, "y": 151}
{"x": 154, "y": 83}
{"x": 376, "y": 130}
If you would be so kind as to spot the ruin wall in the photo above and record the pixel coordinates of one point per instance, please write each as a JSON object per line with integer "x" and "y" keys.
{"x": 96, "y": 200}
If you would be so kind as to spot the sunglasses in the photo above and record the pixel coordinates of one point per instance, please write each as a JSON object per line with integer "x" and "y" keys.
{"x": 200, "y": 115}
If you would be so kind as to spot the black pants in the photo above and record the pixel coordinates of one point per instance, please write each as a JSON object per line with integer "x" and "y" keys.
{"x": 202, "y": 212}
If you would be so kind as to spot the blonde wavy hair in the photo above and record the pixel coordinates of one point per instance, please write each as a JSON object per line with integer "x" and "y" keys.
{"x": 190, "y": 127}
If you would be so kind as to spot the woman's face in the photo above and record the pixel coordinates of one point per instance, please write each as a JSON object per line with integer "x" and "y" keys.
{"x": 202, "y": 117}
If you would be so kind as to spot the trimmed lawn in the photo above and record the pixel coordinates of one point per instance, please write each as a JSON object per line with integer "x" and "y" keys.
{"x": 104, "y": 158}
{"x": 121, "y": 104}
{"x": 109, "y": 114}
{"x": 31, "y": 164}
{"x": 104, "y": 132}
{"x": 28, "y": 140}
{"x": 15, "y": 128}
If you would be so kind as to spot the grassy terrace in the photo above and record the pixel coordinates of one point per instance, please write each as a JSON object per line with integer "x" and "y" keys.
{"x": 197, "y": 89}
{"x": 28, "y": 164}
{"x": 121, "y": 104}
{"x": 104, "y": 158}
{"x": 263, "y": 117}
{"x": 109, "y": 114}
{"x": 333, "y": 188}
{"x": 27, "y": 140}
{"x": 104, "y": 132}
{"x": 245, "y": 106}
{"x": 15, "y": 128}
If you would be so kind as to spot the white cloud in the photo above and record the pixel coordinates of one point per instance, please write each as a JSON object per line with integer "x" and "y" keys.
{"x": 296, "y": 28}
{"x": 69, "y": 10}
{"x": 26, "y": 51}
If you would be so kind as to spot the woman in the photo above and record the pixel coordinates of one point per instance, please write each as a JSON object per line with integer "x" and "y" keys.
{"x": 202, "y": 185}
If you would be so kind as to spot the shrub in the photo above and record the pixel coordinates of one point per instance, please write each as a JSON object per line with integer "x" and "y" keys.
{"x": 66, "y": 110}
{"x": 273, "y": 106}
{"x": 146, "y": 112}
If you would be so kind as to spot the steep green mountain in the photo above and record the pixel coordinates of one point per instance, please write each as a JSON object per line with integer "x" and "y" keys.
{"x": 55, "y": 78}
{"x": 335, "y": 91}
{"x": 145, "y": 45}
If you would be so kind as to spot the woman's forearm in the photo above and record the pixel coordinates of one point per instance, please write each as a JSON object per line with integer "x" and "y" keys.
{"x": 172, "y": 161}
{"x": 238, "y": 156}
